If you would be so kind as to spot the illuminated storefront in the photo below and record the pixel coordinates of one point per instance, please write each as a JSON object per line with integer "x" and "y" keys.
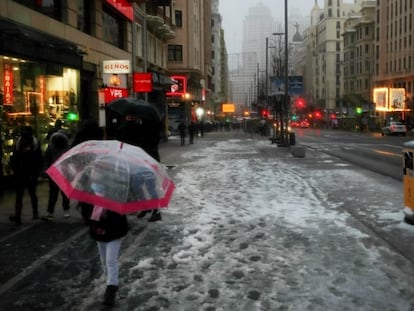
{"x": 35, "y": 94}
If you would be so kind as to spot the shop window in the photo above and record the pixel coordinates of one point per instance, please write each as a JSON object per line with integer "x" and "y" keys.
{"x": 51, "y": 8}
{"x": 35, "y": 94}
{"x": 114, "y": 27}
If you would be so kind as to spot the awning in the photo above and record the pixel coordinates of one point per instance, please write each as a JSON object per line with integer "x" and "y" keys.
{"x": 20, "y": 40}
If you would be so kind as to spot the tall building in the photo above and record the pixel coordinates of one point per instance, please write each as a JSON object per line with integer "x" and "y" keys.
{"x": 394, "y": 55}
{"x": 325, "y": 43}
{"x": 248, "y": 67}
{"x": 189, "y": 61}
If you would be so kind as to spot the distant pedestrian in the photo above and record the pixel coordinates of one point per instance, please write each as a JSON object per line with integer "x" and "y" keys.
{"x": 182, "y": 128}
{"x": 191, "y": 131}
{"x": 58, "y": 126}
{"x": 58, "y": 144}
{"x": 26, "y": 163}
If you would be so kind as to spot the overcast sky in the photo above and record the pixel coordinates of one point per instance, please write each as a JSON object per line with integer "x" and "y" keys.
{"x": 233, "y": 13}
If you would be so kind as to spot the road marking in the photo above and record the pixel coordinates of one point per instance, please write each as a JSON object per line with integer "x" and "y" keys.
{"x": 387, "y": 153}
{"x": 42, "y": 260}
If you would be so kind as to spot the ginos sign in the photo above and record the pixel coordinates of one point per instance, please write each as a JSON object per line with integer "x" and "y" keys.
{"x": 116, "y": 66}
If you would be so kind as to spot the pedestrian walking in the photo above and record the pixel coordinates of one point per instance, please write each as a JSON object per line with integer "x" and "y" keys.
{"x": 146, "y": 135}
{"x": 107, "y": 228}
{"x": 26, "y": 163}
{"x": 182, "y": 128}
{"x": 58, "y": 144}
{"x": 191, "y": 131}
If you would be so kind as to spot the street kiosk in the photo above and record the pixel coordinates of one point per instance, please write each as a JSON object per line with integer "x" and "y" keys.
{"x": 408, "y": 179}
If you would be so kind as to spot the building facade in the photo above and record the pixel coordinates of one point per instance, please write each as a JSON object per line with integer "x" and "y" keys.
{"x": 52, "y": 56}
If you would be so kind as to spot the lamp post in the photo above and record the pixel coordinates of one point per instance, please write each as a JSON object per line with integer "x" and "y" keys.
{"x": 284, "y": 141}
{"x": 275, "y": 130}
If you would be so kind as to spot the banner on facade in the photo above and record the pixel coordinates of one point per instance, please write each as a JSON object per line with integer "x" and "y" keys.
{"x": 142, "y": 82}
{"x": 8, "y": 85}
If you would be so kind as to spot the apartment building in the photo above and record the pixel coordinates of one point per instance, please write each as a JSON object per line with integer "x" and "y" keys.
{"x": 394, "y": 60}
{"x": 189, "y": 62}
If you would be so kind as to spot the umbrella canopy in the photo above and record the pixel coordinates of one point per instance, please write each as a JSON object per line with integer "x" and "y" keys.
{"x": 131, "y": 107}
{"x": 112, "y": 174}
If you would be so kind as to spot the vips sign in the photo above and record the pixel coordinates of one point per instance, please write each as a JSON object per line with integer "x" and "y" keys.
{"x": 115, "y": 76}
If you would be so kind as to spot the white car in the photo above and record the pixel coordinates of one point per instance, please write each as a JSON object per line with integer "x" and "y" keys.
{"x": 394, "y": 128}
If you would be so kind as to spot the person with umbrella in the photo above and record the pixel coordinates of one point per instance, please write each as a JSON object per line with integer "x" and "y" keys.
{"x": 139, "y": 125}
{"x": 107, "y": 228}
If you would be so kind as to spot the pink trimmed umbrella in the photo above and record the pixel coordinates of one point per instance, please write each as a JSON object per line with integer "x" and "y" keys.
{"x": 114, "y": 175}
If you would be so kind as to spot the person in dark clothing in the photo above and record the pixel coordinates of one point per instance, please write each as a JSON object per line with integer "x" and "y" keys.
{"x": 146, "y": 135}
{"x": 191, "y": 131}
{"x": 107, "y": 228}
{"x": 59, "y": 144}
{"x": 90, "y": 130}
{"x": 26, "y": 162}
{"x": 182, "y": 128}
{"x": 58, "y": 126}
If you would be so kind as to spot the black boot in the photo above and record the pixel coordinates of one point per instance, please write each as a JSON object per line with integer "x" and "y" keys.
{"x": 110, "y": 294}
{"x": 142, "y": 214}
{"x": 155, "y": 216}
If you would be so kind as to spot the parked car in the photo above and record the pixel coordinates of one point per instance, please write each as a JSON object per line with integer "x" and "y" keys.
{"x": 394, "y": 128}
{"x": 304, "y": 124}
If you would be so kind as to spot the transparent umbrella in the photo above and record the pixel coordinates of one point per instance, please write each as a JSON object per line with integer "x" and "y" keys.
{"x": 112, "y": 174}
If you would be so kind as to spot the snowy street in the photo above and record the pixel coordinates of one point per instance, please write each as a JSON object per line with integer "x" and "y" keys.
{"x": 250, "y": 227}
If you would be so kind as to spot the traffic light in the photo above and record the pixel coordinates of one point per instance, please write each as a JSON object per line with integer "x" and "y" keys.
{"x": 300, "y": 103}
{"x": 318, "y": 114}
{"x": 265, "y": 113}
{"x": 358, "y": 110}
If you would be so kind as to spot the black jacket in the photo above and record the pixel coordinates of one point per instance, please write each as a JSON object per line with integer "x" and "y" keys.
{"x": 110, "y": 227}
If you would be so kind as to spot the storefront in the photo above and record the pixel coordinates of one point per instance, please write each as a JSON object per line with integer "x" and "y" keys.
{"x": 39, "y": 84}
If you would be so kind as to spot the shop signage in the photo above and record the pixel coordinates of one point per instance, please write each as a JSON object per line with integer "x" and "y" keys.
{"x": 230, "y": 108}
{"x": 142, "y": 82}
{"x": 8, "y": 85}
{"x": 179, "y": 88}
{"x": 115, "y": 80}
{"x": 114, "y": 93}
{"x": 116, "y": 66}
{"x": 123, "y": 7}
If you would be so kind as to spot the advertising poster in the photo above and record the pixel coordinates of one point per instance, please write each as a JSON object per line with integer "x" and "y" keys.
{"x": 397, "y": 99}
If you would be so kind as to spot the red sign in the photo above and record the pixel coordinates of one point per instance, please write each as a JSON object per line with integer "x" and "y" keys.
{"x": 180, "y": 88}
{"x": 114, "y": 93}
{"x": 124, "y": 7}
{"x": 142, "y": 82}
{"x": 8, "y": 85}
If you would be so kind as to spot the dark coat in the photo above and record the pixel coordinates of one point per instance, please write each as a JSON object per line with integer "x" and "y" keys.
{"x": 111, "y": 226}
{"x": 59, "y": 144}
{"x": 27, "y": 158}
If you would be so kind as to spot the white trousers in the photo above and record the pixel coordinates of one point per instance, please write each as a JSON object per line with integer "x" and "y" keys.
{"x": 109, "y": 253}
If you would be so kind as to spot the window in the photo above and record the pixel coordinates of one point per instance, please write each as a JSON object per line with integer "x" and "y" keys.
{"x": 175, "y": 52}
{"x": 51, "y": 8}
{"x": 84, "y": 16}
{"x": 113, "y": 26}
{"x": 178, "y": 18}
